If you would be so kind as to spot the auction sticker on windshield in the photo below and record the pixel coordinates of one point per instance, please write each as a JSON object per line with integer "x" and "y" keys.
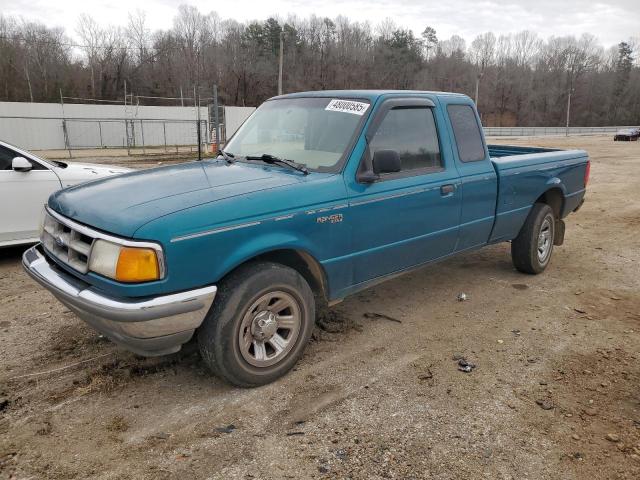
{"x": 347, "y": 106}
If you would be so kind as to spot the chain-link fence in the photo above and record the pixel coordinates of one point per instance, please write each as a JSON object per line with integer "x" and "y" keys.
{"x": 542, "y": 131}
{"x": 134, "y": 128}
{"x": 136, "y": 135}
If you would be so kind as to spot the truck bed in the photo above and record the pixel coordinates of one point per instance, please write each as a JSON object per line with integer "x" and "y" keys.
{"x": 524, "y": 173}
{"x": 497, "y": 151}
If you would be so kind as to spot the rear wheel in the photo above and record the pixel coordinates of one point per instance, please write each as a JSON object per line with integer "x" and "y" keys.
{"x": 259, "y": 325}
{"x": 531, "y": 250}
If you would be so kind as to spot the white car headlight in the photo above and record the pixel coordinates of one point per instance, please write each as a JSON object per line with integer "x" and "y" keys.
{"x": 123, "y": 263}
{"x": 104, "y": 258}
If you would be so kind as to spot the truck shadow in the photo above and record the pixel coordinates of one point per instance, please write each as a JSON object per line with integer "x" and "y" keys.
{"x": 11, "y": 255}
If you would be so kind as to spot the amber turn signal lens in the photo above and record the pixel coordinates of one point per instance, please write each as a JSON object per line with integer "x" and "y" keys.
{"x": 137, "y": 265}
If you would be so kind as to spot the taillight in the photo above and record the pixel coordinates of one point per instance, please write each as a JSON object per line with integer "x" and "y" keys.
{"x": 587, "y": 172}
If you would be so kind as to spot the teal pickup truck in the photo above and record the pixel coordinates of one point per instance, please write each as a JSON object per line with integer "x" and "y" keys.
{"x": 317, "y": 196}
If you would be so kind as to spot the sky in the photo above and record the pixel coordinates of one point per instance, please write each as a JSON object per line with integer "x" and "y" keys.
{"x": 611, "y": 21}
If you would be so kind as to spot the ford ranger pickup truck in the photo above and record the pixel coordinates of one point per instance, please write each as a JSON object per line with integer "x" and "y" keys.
{"x": 317, "y": 196}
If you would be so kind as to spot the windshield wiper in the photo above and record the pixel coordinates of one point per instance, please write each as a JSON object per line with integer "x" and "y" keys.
{"x": 229, "y": 157}
{"x": 272, "y": 159}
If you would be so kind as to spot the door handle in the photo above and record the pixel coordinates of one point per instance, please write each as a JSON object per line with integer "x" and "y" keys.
{"x": 447, "y": 189}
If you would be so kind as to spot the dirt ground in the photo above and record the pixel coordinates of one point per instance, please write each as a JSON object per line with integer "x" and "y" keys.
{"x": 555, "y": 392}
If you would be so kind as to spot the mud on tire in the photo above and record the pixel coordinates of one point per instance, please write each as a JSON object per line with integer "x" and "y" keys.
{"x": 259, "y": 324}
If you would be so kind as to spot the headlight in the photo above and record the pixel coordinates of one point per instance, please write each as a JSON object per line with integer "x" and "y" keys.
{"x": 124, "y": 264}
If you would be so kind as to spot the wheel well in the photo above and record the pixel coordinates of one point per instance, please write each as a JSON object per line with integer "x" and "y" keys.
{"x": 304, "y": 264}
{"x": 555, "y": 199}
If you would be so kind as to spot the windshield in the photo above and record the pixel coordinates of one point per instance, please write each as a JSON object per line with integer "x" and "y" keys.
{"x": 312, "y": 131}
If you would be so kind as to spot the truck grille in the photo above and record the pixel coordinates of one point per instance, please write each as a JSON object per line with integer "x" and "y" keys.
{"x": 66, "y": 244}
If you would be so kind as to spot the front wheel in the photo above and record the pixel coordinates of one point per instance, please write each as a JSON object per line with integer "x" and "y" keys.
{"x": 259, "y": 324}
{"x": 531, "y": 249}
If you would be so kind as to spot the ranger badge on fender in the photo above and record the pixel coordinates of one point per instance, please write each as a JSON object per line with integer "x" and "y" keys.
{"x": 335, "y": 218}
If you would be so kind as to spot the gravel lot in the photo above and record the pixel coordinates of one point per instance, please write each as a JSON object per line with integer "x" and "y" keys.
{"x": 555, "y": 394}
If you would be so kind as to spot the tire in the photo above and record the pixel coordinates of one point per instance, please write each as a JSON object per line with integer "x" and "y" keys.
{"x": 531, "y": 250}
{"x": 259, "y": 324}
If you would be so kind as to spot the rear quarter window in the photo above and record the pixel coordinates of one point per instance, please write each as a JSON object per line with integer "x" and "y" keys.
{"x": 467, "y": 133}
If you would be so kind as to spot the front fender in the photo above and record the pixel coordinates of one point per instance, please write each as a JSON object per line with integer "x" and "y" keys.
{"x": 263, "y": 244}
{"x": 194, "y": 261}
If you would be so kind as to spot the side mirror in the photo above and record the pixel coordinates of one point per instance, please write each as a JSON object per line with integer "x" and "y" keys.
{"x": 21, "y": 164}
{"x": 386, "y": 161}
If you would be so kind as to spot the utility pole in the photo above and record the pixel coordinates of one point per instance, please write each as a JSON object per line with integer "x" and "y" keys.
{"x": 196, "y": 101}
{"x": 126, "y": 127}
{"x": 65, "y": 132}
{"x": 216, "y": 119}
{"x": 568, "y": 111}
{"x": 281, "y": 61}
{"x": 478, "y": 77}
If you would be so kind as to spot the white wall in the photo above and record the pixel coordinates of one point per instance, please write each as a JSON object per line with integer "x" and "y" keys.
{"x": 234, "y": 117}
{"x": 54, "y": 110}
{"x": 38, "y": 126}
{"x": 44, "y": 130}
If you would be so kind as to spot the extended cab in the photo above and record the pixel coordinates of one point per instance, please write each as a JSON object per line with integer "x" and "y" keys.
{"x": 317, "y": 196}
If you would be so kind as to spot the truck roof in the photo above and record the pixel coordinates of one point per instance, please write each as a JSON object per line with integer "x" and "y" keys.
{"x": 371, "y": 95}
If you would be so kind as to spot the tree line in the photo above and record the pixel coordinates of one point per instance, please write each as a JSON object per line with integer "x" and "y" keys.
{"x": 519, "y": 79}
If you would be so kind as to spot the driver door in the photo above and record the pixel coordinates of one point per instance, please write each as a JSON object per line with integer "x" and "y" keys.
{"x": 22, "y": 197}
{"x": 411, "y": 217}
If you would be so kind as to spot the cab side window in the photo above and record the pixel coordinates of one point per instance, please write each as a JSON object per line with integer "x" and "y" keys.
{"x": 411, "y": 131}
{"x": 467, "y": 133}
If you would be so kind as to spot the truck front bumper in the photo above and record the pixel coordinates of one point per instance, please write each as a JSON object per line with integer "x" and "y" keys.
{"x": 149, "y": 327}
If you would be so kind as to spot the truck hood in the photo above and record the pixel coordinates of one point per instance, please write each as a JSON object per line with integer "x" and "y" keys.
{"x": 123, "y": 203}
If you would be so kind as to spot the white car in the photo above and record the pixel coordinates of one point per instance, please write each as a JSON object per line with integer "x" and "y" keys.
{"x": 26, "y": 181}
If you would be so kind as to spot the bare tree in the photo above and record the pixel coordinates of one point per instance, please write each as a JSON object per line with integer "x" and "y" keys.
{"x": 520, "y": 78}
{"x": 93, "y": 40}
{"x": 139, "y": 35}
{"x": 455, "y": 46}
{"x": 429, "y": 41}
{"x": 481, "y": 53}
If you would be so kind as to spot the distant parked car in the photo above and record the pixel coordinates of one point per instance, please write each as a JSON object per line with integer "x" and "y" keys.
{"x": 627, "y": 135}
{"x": 26, "y": 181}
